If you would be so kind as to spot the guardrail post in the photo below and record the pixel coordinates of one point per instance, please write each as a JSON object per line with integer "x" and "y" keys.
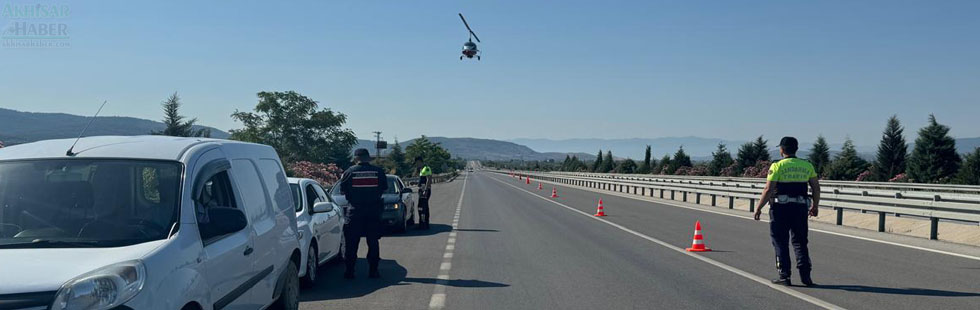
{"x": 685, "y": 196}
{"x": 731, "y": 202}
{"x": 671, "y": 194}
{"x": 840, "y": 215}
{"x": 881, "y": 221}
{"x": 697, "y": 198}
{"x": 713, "y": 199}
{"x": 933, "y": 228}
{"x": 751, "y": 204}
{"x": 661, "y": 193}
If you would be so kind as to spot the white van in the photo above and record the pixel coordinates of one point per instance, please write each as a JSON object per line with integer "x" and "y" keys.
{"x": 320, "y": 227}
{"x": 146, "y": 222}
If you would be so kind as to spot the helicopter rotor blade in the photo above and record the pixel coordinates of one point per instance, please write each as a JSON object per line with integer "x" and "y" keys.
{"x": 468, "y": 28}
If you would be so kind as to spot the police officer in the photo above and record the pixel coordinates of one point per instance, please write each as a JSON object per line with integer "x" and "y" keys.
{"x": 425, "y": 191}
{"x": 363, "y": 185}
{"x": 786, "y": 190}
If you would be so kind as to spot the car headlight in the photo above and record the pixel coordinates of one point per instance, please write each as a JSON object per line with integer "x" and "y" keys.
{"x": 391, "y": 207}
{"x": 103, "y": 288}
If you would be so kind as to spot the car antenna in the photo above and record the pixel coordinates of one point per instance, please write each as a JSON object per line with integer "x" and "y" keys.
{"x": 70, "y": 153}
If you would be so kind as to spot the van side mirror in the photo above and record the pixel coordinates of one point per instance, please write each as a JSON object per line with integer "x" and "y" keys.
{"x": 224, "y": 220}
{"x": 322, "y": 207}
{"x": 407, "y": 190}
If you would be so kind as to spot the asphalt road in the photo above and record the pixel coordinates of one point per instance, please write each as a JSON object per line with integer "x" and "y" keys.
{"x": 514, "y": 247}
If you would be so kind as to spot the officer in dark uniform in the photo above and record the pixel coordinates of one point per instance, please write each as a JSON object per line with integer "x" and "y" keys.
{"x": 363, "y": 185}
{"x": 786, "y": 190}
{"x": 425, "y": 191}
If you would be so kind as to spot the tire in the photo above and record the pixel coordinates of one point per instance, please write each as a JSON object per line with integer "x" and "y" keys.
{"x": 402, "y": 225}
{"x": 289, "y": 298}
{"x": 312, "y": 266}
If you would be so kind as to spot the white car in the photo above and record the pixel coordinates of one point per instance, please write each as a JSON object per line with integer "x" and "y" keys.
{"x": 320, "y": 227}
{"x": 146, "y": 222}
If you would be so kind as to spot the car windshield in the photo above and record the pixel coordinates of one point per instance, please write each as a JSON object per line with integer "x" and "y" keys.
{"x": 87, "y": 203}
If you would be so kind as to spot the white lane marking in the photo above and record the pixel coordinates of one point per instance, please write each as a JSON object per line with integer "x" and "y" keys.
{"x": 438, "y": 300}
{"x": 670, "y": 203}
{"x": 813, "y": 300}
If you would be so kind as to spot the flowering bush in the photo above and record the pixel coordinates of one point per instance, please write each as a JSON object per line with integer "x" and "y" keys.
{"x": 760, "y": 170}
{"x": 325, "y": 174}
{"x": 729, "y": 171}
{"x": 900, "y": 178}
{"x": 682, "y": 170}
{"x": 699, "y": 170}
{"x": 864, "y": 176}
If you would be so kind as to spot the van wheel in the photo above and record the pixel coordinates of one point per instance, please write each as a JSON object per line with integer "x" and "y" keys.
{"x": 312, "y": 262}
{"x": 289, "y": 298}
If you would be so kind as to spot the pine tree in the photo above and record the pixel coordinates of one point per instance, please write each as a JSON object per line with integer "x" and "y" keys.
{"x": 626, "y": 166}
{"x": 761, "y": 148}
{"x": 751, "y": 153}
{"x": 847, "y": 165}
{"x": 597, "y": 164}
{"x": 934, "y": 158}
{"x": 607, "y": 163}
{"x": 820, "y": 155}
{"x": 176, "y": 126}
{"x": 565, "y": 164}
{"x": 680, "y": 160}
{"x": 970, "y": 172}
{"x": 891, "y": 152}
{"x": 397, "y": 158}
{"x": 646, "y": 166}
{"x": 663, "y": 167}
{"x": 721, "y": 158}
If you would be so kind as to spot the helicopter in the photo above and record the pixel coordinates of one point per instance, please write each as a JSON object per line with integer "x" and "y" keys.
{"x": 469, "y": 48}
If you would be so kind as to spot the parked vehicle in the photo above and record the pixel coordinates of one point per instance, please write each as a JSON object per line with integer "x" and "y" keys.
{"x": 146, "y": 222}
{"x": 400, "y": 208}
{"x": 320, "y": 227}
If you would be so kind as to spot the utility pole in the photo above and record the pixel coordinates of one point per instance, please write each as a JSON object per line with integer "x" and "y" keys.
{"x": 377, "y": 144}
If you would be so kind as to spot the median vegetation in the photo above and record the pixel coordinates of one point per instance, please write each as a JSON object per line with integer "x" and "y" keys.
{"x": 932, "y": 159}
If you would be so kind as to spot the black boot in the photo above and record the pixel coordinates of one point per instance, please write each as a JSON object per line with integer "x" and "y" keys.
{"x": 782, "y": 281}
{"x": 805, "y": 278}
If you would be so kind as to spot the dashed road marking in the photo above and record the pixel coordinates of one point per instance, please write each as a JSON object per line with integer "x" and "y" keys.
{"x": 438, "y": 300}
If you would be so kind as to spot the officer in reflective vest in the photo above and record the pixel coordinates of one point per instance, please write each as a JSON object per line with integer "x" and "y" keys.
{"x": 362, "y": 185}
{"x": 786, "y": 190}
{"x": 425, "y": 191}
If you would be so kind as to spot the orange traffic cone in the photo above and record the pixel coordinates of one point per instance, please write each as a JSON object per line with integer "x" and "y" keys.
{"x": 554, "y": 192}
{"x": 600, "y": 211}
{"x": 539, "y": 186}
{"x": 527, "y": 181}
{"x": 698, "y": 244}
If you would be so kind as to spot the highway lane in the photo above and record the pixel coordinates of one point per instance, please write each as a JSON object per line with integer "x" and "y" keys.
{"x": 409, "y": 265}
{"x": 854, "y": 273}
{"x": 513, "y": 250}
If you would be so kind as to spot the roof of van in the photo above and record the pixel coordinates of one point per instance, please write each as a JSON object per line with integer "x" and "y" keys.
{"x": 143, "y": 147}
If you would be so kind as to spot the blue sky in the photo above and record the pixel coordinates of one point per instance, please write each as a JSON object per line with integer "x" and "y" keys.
{"x": 550, "y": 69}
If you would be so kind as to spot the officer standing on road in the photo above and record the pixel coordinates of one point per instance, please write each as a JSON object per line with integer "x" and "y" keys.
{"x": 363, "y": 185}
{"x": 786, "y": 186}
{"x": 425, "y": 191}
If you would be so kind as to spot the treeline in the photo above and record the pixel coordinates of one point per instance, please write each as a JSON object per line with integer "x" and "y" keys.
{"x": 313, "y": 142}
{"x": 933, "y": 159}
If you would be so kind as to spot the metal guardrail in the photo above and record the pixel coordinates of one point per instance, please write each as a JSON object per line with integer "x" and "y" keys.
{"x": 436, "y": 178}
{"x": 964, "y": 209}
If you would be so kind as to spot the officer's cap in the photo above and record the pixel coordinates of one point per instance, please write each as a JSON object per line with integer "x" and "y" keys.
{"x": 789, "y": 144}
{"x": 362, "y": 155}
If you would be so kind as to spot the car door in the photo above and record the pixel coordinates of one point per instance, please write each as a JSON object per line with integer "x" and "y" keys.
{"x": 330, "y": 227}
{"x": 267, "y": 195}
{"x": 227, "y": 262}
{"x": 409, "y": 200}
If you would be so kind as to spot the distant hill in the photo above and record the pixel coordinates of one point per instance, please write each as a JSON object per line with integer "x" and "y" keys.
{"x": 21, "y": 127}
{"x": 485, "y": 149}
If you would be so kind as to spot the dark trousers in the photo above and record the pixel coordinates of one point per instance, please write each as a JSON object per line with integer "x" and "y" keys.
{"x": 356, "y": 227}
{"x": 788, "y": 222}
{"x": 424, "y": 212}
